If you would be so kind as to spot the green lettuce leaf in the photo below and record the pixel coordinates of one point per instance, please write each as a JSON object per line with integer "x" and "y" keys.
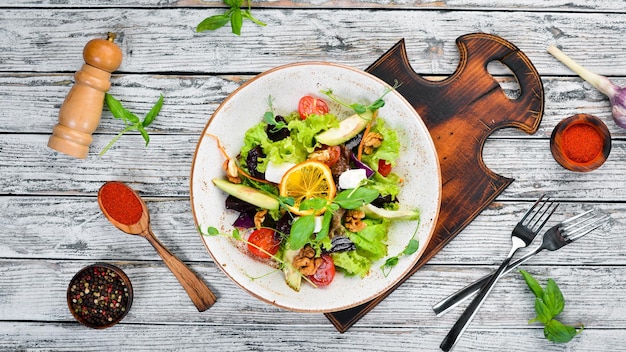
{"x": 351, "y": 263}
{"x": 293, "y": 149}
{"x": 371, "y": 242}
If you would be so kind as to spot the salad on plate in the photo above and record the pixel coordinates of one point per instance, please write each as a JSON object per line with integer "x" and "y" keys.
{"x": 316, "y": 194}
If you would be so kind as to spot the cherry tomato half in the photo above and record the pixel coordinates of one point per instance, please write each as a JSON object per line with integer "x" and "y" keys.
{"x": 383, "y": 168}
{"x": 325, "y": 273}
{"x": 267, "y": 239}
{"x": 310, "y": 105}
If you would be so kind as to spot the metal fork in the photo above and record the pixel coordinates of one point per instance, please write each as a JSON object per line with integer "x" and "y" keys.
{"x": 555, "y": 238}
{"x": 523, "y": 234}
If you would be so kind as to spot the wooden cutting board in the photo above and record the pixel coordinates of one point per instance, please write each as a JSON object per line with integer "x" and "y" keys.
{"x": 460, "y": 113}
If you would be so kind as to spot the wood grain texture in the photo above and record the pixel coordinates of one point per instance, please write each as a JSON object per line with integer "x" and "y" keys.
{"x": 37, "y": 40}
{"x": 52, "y": 227}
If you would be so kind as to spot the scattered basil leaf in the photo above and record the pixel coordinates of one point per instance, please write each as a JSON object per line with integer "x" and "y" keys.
{"x": 212, "y": 23}
{"x": 544, "y": 315}
{"x": 549, "y": 302}
{"x": 131, "y": 121}
{"x": 532, "y": 284}
{"x": 556, "y": 331}
{"x": 235, "y": 15}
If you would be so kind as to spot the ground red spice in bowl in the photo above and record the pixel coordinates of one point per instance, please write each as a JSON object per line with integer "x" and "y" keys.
{"x": 99, "y": 295}
{"x": 580, "y": 143}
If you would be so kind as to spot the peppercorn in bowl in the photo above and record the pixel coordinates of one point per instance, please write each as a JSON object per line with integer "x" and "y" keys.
{"x": 99, "y": 295}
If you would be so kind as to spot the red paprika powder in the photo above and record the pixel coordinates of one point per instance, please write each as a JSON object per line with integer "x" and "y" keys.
{"x": 121, "y": 203}
{"x": 581, "y": 143}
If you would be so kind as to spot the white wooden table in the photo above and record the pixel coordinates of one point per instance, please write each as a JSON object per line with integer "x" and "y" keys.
{"x": 51, "y": 224}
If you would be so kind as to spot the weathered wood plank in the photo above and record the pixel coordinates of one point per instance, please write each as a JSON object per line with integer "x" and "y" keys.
{"x": 28, "y": 166}
{"x": 35, "y": 336}
{"x": 73, "y": 228}
{"x": 159, "y": 299}
{"x": 45, "y": 41}
{"x": 191, "y": 100}
{"x": 485, "y": 5}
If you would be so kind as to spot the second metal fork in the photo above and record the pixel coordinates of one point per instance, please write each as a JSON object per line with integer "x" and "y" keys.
{"x": 555, "y": 238}
{"x": 523, "y": 234}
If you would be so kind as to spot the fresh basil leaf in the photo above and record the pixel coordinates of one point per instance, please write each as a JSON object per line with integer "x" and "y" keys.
{"x": 557, "y": 332}
{"x": 313, "y": 203}
{"x": 532, "y": 283}
{"x": 152, "y": 114}
{"x": 236, "y": 21}
{"x": 412, "y": 247}
{"x": 301, "y": 231}
{"x": 234, "y": 3}
{"x": 144, "y": 134}
{"x": 544, "y": 314}
{"x": 213, "y": 23}
{"x": 355, "y": 198}
{"x": 553, "y": 298}
{"x": 323, "y": 233}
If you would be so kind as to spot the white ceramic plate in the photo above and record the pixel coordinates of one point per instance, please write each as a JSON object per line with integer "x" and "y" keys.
{"x": 287, "y": 84}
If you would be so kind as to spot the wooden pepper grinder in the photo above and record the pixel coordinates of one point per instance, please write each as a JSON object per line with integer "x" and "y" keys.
{"x": 80, "y": 113}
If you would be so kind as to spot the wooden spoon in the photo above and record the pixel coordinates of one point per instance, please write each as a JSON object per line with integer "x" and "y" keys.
{"x": 197, "y": 290}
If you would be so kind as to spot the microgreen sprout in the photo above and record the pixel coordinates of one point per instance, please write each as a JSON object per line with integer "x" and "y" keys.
{"x": 616, "y": 94}
{"x": 235, "y": 15}
{"x": 549, "y": 303}
{"x": 132, "y": 122}
{"x": 360, "y": 108}
{"x": 409, "y": 249}
{"x": 270, "y": 116}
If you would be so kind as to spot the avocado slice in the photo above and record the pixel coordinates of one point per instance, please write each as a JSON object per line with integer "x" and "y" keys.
{"x": 293, "y": 278}
{"x": 347, "y": 129}
{"x": 374, "y": 212}
{"x": 248, "y": 194}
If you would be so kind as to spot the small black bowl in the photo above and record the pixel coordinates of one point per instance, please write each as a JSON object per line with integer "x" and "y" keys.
{"x": 579, "y": 159}
{"x": 99, "y": 295}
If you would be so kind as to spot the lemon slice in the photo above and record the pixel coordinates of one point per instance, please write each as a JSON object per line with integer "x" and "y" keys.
{"x": 307, "y": 180}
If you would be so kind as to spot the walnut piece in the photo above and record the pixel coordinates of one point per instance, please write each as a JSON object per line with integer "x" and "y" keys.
{"x": 372, "y": 141}
{"x": 353, "y": 220}
{"x": 306, "y": 262}
{"x": 259, "y": 217}
{"x": 231, "y": 171}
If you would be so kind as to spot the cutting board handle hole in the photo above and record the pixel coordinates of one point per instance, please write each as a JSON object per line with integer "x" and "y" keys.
{"x": 505, "y": 78}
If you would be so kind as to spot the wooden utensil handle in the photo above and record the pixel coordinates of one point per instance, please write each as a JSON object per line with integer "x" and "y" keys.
{"x": 200, "y": 294}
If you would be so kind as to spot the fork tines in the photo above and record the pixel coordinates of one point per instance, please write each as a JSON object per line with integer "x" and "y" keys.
{"x": 541, "y": 216}
{"x": 582, "y": 224}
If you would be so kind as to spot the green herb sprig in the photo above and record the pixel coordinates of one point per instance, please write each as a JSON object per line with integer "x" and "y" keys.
{"x": 360, "y": 108}
{"x": 270, "y": 116}
{"x": 409, "y": 249}
{"x": 235, "y": 15}
{"x": 549, "y": 303}
{"x": 132, "y": 122}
